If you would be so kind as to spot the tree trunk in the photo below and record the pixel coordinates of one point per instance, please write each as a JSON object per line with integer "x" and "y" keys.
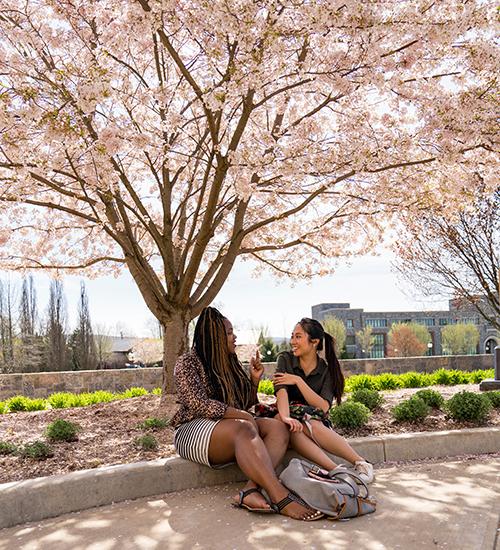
{"x": 175, "y": 343}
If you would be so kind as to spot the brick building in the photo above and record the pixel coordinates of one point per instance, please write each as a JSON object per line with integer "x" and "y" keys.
{"x": 434, "y": 321}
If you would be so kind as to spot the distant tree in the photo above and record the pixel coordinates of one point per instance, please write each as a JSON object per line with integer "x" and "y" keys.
{"x": 28, "y": 313}
{"x": 366, "y": 340}
{"x": 408, "y": 340}
{"x": 336, "y": 328}
{"x": 149, "y": 351}
{"x": 268, "y": 349}
{"x": 457, "y": 253}
{"x": 103, "y": 345}
{"x": 81, "y": 342}
{"x": 460, "y": 339}
{"x": 56, "y": 350}
{"x": 284, "y": 345}
{"x": 7, "y": 326}
{"x": 31, "y": 345}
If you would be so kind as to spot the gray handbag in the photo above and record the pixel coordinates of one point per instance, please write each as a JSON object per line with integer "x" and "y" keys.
{"x": 339, "y": 494}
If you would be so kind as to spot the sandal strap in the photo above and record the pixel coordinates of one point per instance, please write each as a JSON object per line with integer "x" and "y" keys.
{"x": 284, "y": 502}
{"x": 244, "y": 494}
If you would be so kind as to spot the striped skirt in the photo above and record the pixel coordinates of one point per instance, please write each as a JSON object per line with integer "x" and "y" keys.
{"x": 192, "y": 439}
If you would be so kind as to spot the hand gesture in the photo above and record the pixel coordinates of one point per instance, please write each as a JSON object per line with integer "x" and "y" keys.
{"x": 256, "y": 368}
{"x": 283, "y": 378}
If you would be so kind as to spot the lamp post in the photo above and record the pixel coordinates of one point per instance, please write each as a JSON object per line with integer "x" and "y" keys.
{"x": 429, "y": 348}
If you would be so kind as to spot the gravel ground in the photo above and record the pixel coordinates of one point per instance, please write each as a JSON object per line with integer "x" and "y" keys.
{"x": 109, "y": 430}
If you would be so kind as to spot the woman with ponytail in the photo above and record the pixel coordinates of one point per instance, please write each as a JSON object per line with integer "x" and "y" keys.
{"x": 307, "y": 383}
{"x": 213, "y": 425}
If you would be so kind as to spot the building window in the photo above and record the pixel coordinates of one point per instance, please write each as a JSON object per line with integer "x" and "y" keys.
{"x": 443, "y": 322}
{"x": 469, "y": 320}
{"x": 350, "y": 340}
{"x": 376, "y": 323}
{"x": 378, "y": 348}
{"x": 426, "y": 321}
{"x": 349, "y": 323}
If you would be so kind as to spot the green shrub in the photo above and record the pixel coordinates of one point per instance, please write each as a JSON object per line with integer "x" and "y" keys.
{"x": 494, "y": 398}
{"x": 62, "y": 400}
{"x": 387, "y": 381}
{"x": 411, "y": 410}
{"x": 17, "y": 403}
{"x": 370, "y": 398}
{"x": 99, "y": 396}
{"x": 37, "y": 404}
{"x": 62, "y": 430}
{"x": 3, "y": 407}
{"x": 146, "y": 442}
{"x": 266, "y": 386}
{"x": 432, "y": 397}
{"x": 479, "y": 375}
{"x": 358, "y": 381}
{"x": 413, "y": 380}
{"x": 38, "y": 450}
{"x": 133, "y": 392}
{"x": 7, "y": 448}
{"x": 153, "y": 424}
{"x": 441, "y": 377}
{"x": 156, "y": 391}
{"x": 458, "y": 377}
{"x": 468, "y": 406}
{"x": 350, "y": 415}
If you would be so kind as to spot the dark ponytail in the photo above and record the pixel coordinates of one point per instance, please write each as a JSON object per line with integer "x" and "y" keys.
{"x": 333, "y": 363}
{"x": 315, "y": 331}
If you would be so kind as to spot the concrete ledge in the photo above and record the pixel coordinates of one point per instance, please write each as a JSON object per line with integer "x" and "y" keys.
{"x": 489, "y": 384}
{"x": 46, "y": 497}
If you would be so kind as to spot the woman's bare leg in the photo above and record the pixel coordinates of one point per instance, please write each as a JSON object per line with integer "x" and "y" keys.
{"x": 275, "y": 436}
{"x": 235, "y": 439}
{"x": 306, "y": 447}
{"x": 333, "y": 443}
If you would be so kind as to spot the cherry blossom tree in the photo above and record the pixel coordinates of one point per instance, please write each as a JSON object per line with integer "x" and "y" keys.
{"x": 174, "y": 137}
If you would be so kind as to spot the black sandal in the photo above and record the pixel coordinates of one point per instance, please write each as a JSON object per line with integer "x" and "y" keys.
{"x": 241, "y": 504}
{"x": 314, "y": 515}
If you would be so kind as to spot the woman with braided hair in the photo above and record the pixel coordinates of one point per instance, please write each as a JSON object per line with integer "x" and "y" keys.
{"x": 305, "y": 386}
{"x": 214, "y": 427}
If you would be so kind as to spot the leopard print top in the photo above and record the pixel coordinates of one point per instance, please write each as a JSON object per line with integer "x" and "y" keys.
{"x": 194, "y": 392}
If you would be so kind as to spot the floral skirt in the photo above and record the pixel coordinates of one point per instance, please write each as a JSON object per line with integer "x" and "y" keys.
{"x": 299, "y": 411}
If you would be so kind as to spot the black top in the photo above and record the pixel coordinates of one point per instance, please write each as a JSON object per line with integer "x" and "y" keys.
{"x": 319, "y": 380}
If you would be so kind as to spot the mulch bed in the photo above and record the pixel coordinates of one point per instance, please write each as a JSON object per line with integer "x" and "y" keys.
{"x": 109, "y": 430}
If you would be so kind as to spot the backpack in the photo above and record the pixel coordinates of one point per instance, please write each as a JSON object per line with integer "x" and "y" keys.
{"x": 339, "y": 494}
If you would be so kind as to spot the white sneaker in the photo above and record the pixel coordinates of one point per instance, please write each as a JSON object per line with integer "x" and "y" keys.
{"x": 364, "y": 470}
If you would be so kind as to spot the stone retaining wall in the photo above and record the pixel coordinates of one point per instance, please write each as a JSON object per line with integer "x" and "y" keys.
{"x": 44, "y": 383}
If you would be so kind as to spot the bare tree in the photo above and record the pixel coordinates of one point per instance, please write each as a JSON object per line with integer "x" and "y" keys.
{"x": 56, "y": 349}
{"x": 7, "y": 334}
{"x": 103, "y": 345}
{"x": 457, "y": 254}
{"x": 31, "y": 349}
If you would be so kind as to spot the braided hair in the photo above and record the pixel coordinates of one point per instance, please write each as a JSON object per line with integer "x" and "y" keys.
{"x": 229, "y": 380}
{"x": 315, "y": 331}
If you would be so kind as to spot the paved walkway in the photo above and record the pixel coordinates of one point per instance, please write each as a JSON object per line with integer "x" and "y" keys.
{"x": 438, "y": 505}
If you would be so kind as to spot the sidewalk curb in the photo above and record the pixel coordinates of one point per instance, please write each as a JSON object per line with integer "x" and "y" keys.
{"x": 41, "y": 498}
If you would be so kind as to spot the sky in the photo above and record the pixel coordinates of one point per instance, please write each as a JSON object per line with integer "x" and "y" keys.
{"x": 251, "y": 303}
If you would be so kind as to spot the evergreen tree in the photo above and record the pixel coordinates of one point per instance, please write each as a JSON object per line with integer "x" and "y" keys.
{"x": 268, "y": 350}
{"x": 82, "y": 344}
{"x": 56, "y": 349}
